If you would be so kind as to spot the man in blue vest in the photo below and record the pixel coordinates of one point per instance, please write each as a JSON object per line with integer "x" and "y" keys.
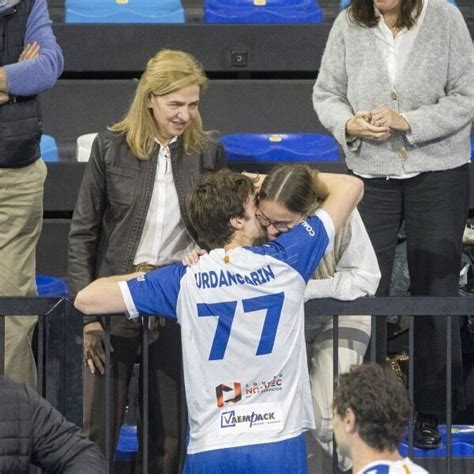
{"x": 30, "y": 63}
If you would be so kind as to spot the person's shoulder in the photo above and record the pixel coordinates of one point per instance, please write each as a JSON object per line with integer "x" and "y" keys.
{"x": 343, "y": 20}
{"x": 442, "y": 5}
{"x": 109, "y": 137}
{"x": 393, "y": 467}
{"x": 9, "y": 384}
{"x": 413, "y": 468}
{"x": 114, "y": 147}
{"x": 213, "y": 142}
{"x": 444, "y": 10}
{"x": 14, "y": 393}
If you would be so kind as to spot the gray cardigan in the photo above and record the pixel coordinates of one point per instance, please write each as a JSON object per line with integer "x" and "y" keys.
{"x": 435, "y": 92}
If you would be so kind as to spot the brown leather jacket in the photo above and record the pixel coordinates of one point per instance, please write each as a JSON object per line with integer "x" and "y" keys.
{"x": 113, "y": 203}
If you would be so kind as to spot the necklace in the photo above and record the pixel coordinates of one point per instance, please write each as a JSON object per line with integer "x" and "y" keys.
{"x": 392, "y": 26}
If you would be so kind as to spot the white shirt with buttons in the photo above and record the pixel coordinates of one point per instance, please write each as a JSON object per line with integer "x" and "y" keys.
{"x": 164, "y": 239}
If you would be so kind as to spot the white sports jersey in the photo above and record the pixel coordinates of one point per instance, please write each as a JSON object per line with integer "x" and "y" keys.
{"x": 405, "y": 466}
{"x": 242, "y": 327}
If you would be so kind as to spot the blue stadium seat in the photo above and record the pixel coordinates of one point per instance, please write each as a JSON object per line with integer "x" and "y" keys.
{"x": 124, "y": 11}
{"x": 264, "y": 147}
{"x": 51, "y": 286}
{"x": 462, "y": 443}
{"x": 48, "y": 148}
{"x": 262, "y": 11}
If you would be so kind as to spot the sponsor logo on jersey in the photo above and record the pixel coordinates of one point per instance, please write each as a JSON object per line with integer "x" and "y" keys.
{"x": 275, "y": 384}
{"x": 222, "y": 278}
{"x": 230, "y": 419}
{"x": 234, "y": 394}
{"x": 255, "y": 417}
{"x": 226, "y": 394}
{"x": 308, "y": 229}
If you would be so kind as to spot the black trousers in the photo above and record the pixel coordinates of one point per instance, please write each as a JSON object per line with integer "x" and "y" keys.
{"x": 166, "y": 433}
{"x": 434, "y": 207}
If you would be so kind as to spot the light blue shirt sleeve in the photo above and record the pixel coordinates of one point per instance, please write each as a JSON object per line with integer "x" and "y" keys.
{"x": 33, "y": 76}
{"x": 155, "y": 293}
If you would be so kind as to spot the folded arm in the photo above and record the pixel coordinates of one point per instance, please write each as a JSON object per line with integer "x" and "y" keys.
{"x": 31, "y": 76}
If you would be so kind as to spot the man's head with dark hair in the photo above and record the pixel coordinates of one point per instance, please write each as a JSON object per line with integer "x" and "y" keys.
{"x": 372, "y": 405}
{"x": 221, "y": 204}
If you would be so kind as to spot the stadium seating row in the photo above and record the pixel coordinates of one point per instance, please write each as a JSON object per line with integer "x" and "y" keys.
{"x": 215, "y": 11}
{"x": 242, "y": 147}
{"x": 171, "y": 11}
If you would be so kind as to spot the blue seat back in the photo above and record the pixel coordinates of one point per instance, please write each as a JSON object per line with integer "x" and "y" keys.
{"x": 275, "y": 148}
{"x": 51, "y": 286}
{"x": 48, "y": 148}
{"x": 124, "y": 11}
{"x": 462, "y": 443}
{"x": 262, "y": 11}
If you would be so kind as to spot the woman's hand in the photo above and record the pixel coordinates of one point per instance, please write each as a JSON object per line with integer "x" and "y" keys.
{"x": 155, "y": 322}
{"x": 93, "y": 347}
{"x": 387, "y": 117}
{"x": 193, "y": 257}
{"x": 257, "y": 179}
{"x": 361, "y": 126}
{"x": 31, "y": 51}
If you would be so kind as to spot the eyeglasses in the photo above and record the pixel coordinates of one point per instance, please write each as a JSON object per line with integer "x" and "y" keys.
{"x": 266, "y": 222}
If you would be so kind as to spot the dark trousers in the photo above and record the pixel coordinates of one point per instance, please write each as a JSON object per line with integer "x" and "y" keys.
{"x": 434, "y": 206}
{"x": 165, "y": 396}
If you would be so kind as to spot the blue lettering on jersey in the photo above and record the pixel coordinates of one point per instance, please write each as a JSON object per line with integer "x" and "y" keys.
{"x": 213, "y": 279}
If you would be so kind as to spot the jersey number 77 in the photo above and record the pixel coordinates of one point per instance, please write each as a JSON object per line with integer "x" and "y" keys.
{"x": 225, "y": 313}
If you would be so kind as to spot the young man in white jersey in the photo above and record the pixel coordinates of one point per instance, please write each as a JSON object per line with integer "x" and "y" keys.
{"x": 371, "y": 411}
{"x": 241, "y": 311}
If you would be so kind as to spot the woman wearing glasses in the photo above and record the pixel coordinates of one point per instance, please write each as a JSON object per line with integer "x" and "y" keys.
{"x": 350, "y": 270}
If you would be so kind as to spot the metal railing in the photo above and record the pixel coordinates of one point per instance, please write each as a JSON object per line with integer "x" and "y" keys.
{"x": 59, "y": 349}
{"x": 58, "y": 364}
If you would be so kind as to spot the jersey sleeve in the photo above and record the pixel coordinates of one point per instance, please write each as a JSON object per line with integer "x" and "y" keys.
{"x": 303, "y": 247}
{"x": 155, "y": 293}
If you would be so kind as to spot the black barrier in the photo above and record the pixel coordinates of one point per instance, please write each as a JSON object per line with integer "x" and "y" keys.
{"x": 414, "y": 307}
{"x": 58, "y": 319}
{"x": 59, "y": 337}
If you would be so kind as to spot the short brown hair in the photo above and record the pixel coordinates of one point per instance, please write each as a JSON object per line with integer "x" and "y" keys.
{"x": 292, "y": 186}
{"x": 362, "y": 12}
{"x": 217, "y": 198}
{"x": 379, "y": 401}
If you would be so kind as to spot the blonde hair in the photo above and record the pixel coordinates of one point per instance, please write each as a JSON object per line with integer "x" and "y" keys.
{"x": 165, "y": 73}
